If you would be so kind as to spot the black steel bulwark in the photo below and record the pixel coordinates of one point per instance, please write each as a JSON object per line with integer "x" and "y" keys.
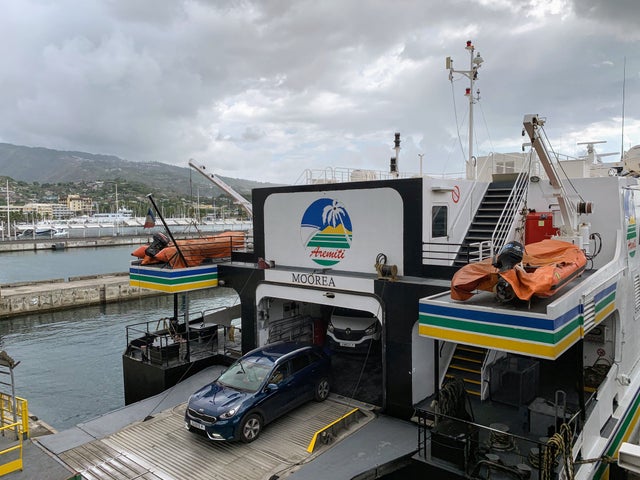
{"x": 400, "y": 301}
{"x": 143, "y": 380}
{"x": 244, "y": 279}
{"x": 156, "y": 359}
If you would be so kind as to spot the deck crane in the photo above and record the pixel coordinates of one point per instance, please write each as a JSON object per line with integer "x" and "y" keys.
{"x": 570, "y": 231}
{"x": 212, "y": 177}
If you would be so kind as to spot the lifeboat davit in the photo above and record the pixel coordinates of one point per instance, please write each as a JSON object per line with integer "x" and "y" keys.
{"x": 545, "y": 268}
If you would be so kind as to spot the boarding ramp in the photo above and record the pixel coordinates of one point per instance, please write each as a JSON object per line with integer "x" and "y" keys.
{"x": 161, "y": 447}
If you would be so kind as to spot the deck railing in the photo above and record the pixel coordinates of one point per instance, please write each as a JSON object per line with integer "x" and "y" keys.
{"x": 14, "y": 429}
{"x": 343, "y": 175}
{"x": 22, "y": 412}
{"x": 443, "y": 253}
{"x": 476, "y": 450}
{"x": 165, "y": 342}
{"x": 440, "y": 253}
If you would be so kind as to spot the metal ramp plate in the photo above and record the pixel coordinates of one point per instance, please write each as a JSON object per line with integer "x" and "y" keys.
{"x": 161, "y": 448}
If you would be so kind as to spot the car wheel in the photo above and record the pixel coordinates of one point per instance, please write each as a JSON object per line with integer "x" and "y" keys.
{"x": 250, "y": 428}
{"x": 322, "y": 389}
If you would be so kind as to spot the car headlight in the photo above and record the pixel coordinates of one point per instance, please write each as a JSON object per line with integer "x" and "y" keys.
{"x": 373, "y": 328}
{"x": 229, "y": 413}
{"x": 330, "y": 327}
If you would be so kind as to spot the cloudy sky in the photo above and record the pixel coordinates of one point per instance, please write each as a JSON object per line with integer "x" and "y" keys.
{"x": 265, "y": 89}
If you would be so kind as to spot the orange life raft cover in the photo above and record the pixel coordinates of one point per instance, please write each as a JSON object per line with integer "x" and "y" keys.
{"x": 545, "y": 267}
{"x": 195, "y": 251}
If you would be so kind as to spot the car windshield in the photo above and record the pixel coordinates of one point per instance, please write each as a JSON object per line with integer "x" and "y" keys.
{"x": 245, "y": 375}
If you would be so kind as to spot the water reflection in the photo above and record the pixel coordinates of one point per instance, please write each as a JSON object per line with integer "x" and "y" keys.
{"x": 70, "y": 362}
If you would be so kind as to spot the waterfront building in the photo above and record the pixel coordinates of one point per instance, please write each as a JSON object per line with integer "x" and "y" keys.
{"x": 79, "y": 205}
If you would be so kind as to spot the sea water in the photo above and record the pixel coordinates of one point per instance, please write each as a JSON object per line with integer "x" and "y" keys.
{"x": 72, "y": 262}
{"x": 70, "y": 368}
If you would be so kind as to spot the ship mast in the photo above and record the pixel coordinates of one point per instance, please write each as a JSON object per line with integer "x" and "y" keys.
{"x": 472, "y": 75}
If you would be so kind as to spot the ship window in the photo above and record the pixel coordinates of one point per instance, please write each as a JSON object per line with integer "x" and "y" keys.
{"x": 439, "y": 221}
{"x": 505, "y": 167}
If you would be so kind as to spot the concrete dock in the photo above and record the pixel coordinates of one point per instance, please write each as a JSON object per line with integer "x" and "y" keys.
{"x": 36, "y": 297}
{"x": 58, "y": 294}
{"x": 63, "y": 243}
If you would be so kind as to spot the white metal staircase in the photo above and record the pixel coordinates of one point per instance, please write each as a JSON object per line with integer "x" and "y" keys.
{"x": 494, "y": 220}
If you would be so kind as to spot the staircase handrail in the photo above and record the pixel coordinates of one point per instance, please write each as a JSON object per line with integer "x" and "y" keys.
{"x": 482, "y": 246}
{"x": 447, "y": 350}
{"x": 462, "y": 210}
{"x": 510, "y": 210}
{"x": 491, "y": 356}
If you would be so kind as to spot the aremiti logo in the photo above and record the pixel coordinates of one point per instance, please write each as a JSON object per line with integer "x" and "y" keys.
{"x": 326, "y": 231}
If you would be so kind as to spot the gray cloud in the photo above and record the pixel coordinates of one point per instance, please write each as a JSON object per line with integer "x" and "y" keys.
{"x": 263, "y": 90}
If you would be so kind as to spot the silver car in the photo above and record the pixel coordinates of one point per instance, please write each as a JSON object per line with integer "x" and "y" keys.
{"x": 353, "y": 331}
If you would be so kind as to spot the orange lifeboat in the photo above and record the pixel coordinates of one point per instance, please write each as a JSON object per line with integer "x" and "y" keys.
{"x": 546, "y": 267}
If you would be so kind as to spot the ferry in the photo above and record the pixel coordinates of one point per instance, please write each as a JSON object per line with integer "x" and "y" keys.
{"x": 531, "y": 372}
{"x": 501, "y": 386}
{"x": 535, "y": 376}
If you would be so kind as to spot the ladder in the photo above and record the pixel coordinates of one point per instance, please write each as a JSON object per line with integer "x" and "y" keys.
{"x": 466, "y": 364}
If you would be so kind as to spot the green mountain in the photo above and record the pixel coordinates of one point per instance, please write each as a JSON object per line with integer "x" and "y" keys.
{"x": 46, "y": 166}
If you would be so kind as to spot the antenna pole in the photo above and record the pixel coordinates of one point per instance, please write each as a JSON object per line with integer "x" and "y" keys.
{"x": 472, "y": 75}
{"x": 624, "y": 82}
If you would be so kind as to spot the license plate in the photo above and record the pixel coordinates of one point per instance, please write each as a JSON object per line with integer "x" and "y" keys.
{"x": 196, "y": 424}
{"x": 348, "y": 344}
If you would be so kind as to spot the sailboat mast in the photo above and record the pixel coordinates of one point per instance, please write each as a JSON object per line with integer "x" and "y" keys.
{"x": 8, "y": 214}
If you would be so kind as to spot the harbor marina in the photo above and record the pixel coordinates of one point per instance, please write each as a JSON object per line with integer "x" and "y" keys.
{"x": 503, "y": 312}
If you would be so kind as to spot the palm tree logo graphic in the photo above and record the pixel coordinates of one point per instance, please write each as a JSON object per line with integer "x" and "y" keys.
{"x": 326, "y": 231}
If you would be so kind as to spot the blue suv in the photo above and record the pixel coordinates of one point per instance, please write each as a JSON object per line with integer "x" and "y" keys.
{"x": 261, "y": 386}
